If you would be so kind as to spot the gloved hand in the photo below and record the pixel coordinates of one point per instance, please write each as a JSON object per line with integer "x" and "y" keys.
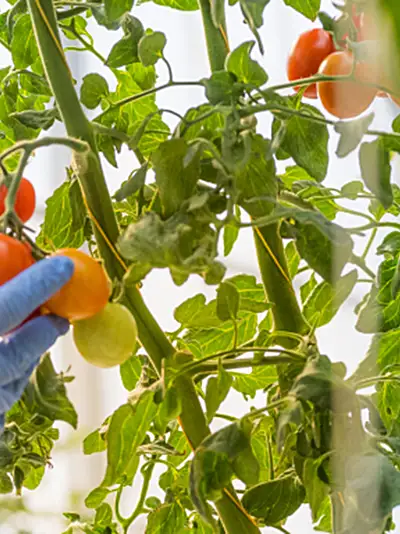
{"x": 21, "y": 350}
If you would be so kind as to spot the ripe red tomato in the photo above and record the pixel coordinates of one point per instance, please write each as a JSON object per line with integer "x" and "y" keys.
{"x": 14, "y": 258}
{"x": 369, "y": 27}
{"x": 307, "y": 54}
{"x": 355, "y": 21}
{"x": 25, "y": 200}
{"x": 86, "y": 293}
{"x": 345, "y": 99}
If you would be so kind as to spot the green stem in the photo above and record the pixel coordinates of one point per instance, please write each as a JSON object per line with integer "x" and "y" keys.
{"x": 126, "y": 523}
{"x": 86, "y": 44}
{"x": 276, "y": 279}
{"x": 91, "y": 174}
{"x": 356, "y": 260}
{"x": 369, "y": 244}
{"x": 217, "y": 45}
{"x": 143, "y": 94}
{"x": 210, "y": 368}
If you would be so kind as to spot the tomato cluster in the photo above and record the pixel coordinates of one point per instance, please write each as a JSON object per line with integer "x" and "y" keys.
{"x": 315, "y": 52}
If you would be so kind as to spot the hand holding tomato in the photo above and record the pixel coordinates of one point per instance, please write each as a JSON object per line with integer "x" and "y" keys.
{"x": 20, "y": 351}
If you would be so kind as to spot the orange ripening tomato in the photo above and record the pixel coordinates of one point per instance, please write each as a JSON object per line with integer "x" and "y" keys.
{"x": 25, "y": 200}
{"x": 307, "y": 54}
{"x": 86, "y": 293}
{"x": 15, "y": 257}
{"x": 345, "y": 99}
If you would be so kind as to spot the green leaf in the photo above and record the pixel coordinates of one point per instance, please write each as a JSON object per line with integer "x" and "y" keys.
{"x": 376, "y": 170}
{"x": 390, "y": 244}
{"x": 94, "y": 88}
{"x": 307, "y": 288}
{"x": 213, "y": 465}
{"x": 325, "y": 246}
{"x": 293, "y": 258}
{"x": 216, "y": 391}
{"x": 166, "y": 519}
{"x": 258, "y": 379}
{"x": 231, "y": 234}
{"x": 128, "y": 427}
{"x": 372, "y": 491}
{"x": 275, "y": 500}
{"x": 175, "y": 179}
{"x": 78, "y": 208}
{"x": 325, "y": 299}
{"x": 130, "y": 372}
{"x": 253, "y": 14}
{"x": 58, "y": 231}
{"x": 114, "y": 9}
{"x": 381, "y": 311}
{"x": 307, "y": 141}
{"x": 316, "y": 490}
{"x": 125, "y": 51}
{"x": 352, "y": 189}
{"x": 23, "y": 44}
{"x": 43, "y": 119}
{"x": 34, "y": 84}
{"x": 207, "y": 341}
{"x": 218, "y": 12}
{"x": 151, "y": 48}
{"x": 47, "y": 393}
{"x": 309, "y": 9}
{"x": 103, "y": 515}
{"x": 219, "y": 87}
{"x": 252, "y": 294}
{"x": 181, "y": 5}
{"x": 257, "y": 183}
{"x": 227, "y": 302}
{"x": 6, "y": 485}
{"x": 94, "y": 442}
{"x": 135, "y": 182}
{"x": 351, "y": 134}
{"x": 243, "y": 67}
{"x": 96, "y": 497}
{"x": 179, "y": 243}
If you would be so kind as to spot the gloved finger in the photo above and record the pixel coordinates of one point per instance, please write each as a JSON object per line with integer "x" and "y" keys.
{"x": 10, "y": 393}
{"x": 30, "y": 289}
{"x": 22, "y": 349}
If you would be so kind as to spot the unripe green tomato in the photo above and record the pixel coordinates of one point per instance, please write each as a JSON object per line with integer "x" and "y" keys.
{"x": 108, "y": 338}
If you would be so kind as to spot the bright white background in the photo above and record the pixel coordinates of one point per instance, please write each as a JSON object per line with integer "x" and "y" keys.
{"x": 97, "y": 393}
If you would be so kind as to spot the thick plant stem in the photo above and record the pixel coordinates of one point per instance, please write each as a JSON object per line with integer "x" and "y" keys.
{"x": 217, "y": 44}
{"x": 276, "y": 280}
{"x": 100, "y": 209}
{"x": 90, "y": 173}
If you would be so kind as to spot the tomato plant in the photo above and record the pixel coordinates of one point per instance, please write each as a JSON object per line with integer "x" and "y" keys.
{"x": 307, "y": 54}
{"x": 86, "y": 294}
{"x": 25, "y": 200}
{"x": 191, "y": 182}
{"x": 15, "y": 257}
{"x": 108, "y": 338}
{"x": 345, "y": 99}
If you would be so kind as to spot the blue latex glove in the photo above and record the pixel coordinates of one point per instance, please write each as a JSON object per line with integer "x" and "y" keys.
{"x": 21, "y": 350}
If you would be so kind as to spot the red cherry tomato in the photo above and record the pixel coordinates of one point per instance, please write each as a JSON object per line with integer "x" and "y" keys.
{"x": 86, "y": 293}
{"x": 307, "y": 54}
{"x": 369, "y": 28}
{"x": 15, "y": 257}
{"x": 25, "y": 200}
{"x": 355, "y": 21}
{"x": 345, "y": 99}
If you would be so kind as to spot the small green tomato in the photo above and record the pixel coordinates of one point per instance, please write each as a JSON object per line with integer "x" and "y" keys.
{"x": 108, "y": 338}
